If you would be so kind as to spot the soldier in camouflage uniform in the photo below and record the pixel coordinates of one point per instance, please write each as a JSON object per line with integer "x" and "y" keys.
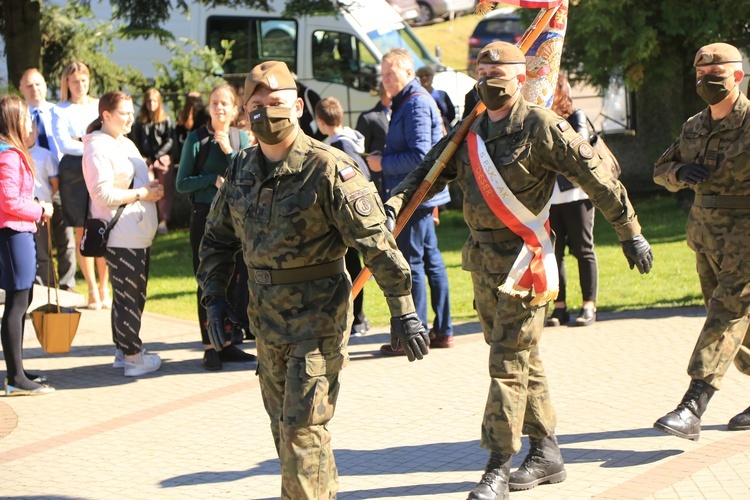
{"x": 712, "y": 157}
{"x": 292, "y": 206}
{"x": 528, "y": 145}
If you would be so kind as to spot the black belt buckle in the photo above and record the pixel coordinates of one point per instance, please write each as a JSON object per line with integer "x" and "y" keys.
{"x": 263, "y": 277}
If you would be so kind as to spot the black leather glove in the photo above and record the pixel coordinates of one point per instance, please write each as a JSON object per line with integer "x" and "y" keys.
{"x": 390, "y": 221}
{"x": 409, "y": 331}
{"x": 639, "y": 254}
{"x": 692, "y": 173}
{"x": 218, "y": 309}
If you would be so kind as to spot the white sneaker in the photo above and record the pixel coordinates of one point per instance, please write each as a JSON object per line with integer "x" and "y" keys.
{"x": 120, "y": 358}
{"x": 142, "y": 364}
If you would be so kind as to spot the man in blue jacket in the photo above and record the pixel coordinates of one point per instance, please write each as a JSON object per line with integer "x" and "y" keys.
{"x": 416, "y": 126}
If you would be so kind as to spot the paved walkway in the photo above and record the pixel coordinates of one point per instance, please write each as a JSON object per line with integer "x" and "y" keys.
{"x": 402, "y": 430}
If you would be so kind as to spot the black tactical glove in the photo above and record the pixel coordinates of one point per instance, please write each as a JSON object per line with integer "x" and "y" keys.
{"x": 638, "y": 252}
{"x": 218, "y": 309}
{"x": 692, "y": 173}
{"x": 390, "y": 221}
{"x": 409, "y": 331}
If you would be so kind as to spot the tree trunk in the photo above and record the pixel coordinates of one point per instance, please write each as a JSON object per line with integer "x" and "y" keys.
{"x": 23, "y": 37}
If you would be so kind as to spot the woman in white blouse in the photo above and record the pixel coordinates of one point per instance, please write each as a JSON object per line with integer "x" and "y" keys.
{"x": 70, "y": 118}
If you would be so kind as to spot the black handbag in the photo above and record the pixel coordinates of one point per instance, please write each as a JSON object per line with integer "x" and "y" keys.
{"x": 96, "y": 232}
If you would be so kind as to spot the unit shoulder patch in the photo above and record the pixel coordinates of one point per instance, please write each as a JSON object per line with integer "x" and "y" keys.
{"x": 364, "y": 206}
{"x": 586, "y": 151}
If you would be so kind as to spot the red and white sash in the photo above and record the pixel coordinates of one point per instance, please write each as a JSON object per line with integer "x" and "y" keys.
{"x": 535, "y": 267}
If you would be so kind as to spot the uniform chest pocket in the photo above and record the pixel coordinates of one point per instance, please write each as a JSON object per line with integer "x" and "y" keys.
{"x": 302, "y": 217}
{"x": 239, "y": 199}
{"x": 692, "y": 148}
{"x": 519, "y": 155}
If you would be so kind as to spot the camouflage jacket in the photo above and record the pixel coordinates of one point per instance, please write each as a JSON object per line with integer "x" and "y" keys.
{"x": 529, "y": 147}
{"x": 713, "y": 230}
{"x": 306, "y": 211}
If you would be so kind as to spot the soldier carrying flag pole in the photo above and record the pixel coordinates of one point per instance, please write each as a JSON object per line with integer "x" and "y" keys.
{"x": 506, "y": 167}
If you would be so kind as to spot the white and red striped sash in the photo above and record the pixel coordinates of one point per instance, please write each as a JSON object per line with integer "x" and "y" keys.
{"x": 535, "y": 267}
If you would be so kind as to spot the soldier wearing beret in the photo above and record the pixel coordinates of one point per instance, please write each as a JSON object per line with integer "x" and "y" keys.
{"x": 508, "y": 165}
{"x": 292, "y": 206}
{"x": 712, "y": 157}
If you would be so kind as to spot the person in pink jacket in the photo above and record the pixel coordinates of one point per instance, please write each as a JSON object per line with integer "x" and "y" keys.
{"x": 115, "y": 175}
{"x": 19, "y": 213}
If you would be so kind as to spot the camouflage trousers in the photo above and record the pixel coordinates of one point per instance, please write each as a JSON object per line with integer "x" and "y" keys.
{"x": 518, "y": 401}
{"x": 725, "y": 284}
{"x": 300, "y": 384}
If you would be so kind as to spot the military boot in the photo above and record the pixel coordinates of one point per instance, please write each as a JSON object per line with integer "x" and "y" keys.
{"x": 494, "y": 483}
{"x": 543, "y": 464}
{"x": 685, "y": 420}
{"x": 740, "y": 422}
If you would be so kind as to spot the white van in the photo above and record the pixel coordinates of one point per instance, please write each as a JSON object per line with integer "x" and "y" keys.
{"x": 334, "y": 55}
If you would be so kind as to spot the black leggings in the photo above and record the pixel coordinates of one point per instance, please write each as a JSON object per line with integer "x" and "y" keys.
{"x": 16, "y": 304}
{"x": 573, "y": 224}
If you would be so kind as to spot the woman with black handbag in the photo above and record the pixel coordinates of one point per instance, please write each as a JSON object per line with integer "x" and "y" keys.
{"x": 116, "y": 175}
{"x": 19, "y": 212}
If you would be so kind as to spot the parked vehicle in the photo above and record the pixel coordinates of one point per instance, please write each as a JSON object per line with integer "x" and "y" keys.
{"x": 407, "y": 9}
{"x": 503, "y": 25}
{"x": 336, "y": 55}
{"x": 433, "y": 9}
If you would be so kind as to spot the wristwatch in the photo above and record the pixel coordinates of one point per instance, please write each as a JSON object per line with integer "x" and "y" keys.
{"x": 137, "y": 195}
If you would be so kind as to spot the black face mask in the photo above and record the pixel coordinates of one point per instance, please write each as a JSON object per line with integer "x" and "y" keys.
{"x": 493, "y": 92}
{"x": 713, "y": 88}
{"x": 271, "y": 125}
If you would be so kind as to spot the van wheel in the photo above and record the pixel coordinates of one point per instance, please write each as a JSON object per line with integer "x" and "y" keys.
{"x": 425, "y": 13}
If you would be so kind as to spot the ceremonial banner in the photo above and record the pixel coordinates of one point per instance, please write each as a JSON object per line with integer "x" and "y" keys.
{"x": 485, "y": 6}
{"x": 543, "y": 60}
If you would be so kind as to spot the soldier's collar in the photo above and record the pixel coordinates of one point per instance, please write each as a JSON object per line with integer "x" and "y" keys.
{"x": 735, "y": 119}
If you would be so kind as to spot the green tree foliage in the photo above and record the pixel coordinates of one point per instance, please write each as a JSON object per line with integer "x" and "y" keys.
{"x": 70, "y": 33}
{"x": 190, "y": 68}
{"x": 650, "y": 46}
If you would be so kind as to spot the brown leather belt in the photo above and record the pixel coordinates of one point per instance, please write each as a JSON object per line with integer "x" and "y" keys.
{"x": 297, "y": 274}
{"x": 493, "y": 235}
{"x": 721, "y": 201}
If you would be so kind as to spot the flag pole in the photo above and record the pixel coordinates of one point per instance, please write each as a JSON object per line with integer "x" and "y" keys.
{"x": 530, "y": 35}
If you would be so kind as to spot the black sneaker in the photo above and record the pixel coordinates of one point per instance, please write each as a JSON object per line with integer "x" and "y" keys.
{"x": 233, "y": 354}
{"x": 211, "y": 360}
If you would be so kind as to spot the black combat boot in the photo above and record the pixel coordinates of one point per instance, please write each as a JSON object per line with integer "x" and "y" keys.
{"x": 494, "y": 483}
{"x": 543, "y": 464}
{"x": 685, "y": 420}
{"x": 740, "y": 422}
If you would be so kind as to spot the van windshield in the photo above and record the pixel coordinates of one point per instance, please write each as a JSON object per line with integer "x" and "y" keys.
{"x": 401, "y": 36}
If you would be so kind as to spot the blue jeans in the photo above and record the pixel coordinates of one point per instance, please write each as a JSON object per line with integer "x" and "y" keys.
{"x": 418, "y": 242}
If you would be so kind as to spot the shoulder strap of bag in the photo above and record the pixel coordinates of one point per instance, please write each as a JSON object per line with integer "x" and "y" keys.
{"x": 117, "y": 215}
{"x": 203, "y": 138}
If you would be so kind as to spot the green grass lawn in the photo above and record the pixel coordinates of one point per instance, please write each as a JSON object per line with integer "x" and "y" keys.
{"x": 452, "y": 37}
{"x": 671, "y": 283}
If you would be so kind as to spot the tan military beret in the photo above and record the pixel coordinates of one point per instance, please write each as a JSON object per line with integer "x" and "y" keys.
{"x": 717, "y": 53}
{"x": 273, "y": 75}
{"x": 501, "y": 53}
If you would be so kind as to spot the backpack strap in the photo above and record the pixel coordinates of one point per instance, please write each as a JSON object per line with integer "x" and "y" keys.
{"x": 203, "y": 138}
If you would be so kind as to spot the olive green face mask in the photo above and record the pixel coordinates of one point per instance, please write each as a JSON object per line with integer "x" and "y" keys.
{"x": 713, "y": 88}
{"x": 271, "y": 125}
{"x": 493, "y": 92}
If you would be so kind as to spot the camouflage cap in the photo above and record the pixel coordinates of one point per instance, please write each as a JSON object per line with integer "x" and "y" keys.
{"x": 717, "y": 53}
{"x": 501, "y": 53}
{"x": 273, "y": 75}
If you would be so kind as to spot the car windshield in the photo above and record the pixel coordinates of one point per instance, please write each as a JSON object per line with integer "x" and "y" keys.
{"x": 401, "y": 36}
